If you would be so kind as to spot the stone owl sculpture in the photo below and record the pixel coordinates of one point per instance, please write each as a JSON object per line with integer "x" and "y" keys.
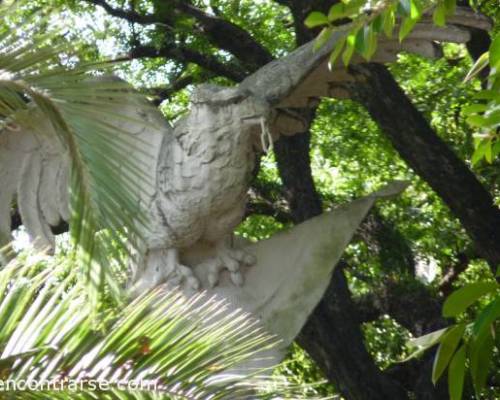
{"x": 200, "y": 168}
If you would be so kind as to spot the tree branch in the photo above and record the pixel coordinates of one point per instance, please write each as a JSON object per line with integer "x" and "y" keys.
{"x": 423, "y": 150}
{"x": 131, "y": 16}
{"x": 231, "y": 71}
{"x": 333, "y": 337}
{"x": 453, "y": 271}
{"x": 395, "y": 296}
{"x": 222, "y": 33}
{"x": 230, "y": 37}
{"x": 165, "y": 92}
{"x": 266, "y": 199}
{"x": 386, "y": 242}
{"x": 267, "y": 209}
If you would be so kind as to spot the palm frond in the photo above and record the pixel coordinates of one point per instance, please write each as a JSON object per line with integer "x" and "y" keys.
{"x": 177, "y": 348}
{"x": 88, "y": 116}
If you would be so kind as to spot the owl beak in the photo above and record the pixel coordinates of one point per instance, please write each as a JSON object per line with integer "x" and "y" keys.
{"x": 258, "y": 109}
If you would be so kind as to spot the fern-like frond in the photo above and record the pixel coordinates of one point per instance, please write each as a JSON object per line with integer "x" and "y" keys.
{"x": 91, "y": 117}
{"x": 175, "y": 347}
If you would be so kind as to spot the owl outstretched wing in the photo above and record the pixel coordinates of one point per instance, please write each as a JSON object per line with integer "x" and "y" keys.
{"x": 35, "y": 164}
{"x": 298, "y": 80}
{"x": 34, "y": 176}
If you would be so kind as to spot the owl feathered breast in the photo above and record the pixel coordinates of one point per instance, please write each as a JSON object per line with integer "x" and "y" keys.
{"x": 204, "y": 169}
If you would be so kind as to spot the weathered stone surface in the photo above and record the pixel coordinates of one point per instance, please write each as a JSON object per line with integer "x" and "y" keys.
{"x": 293, "y": 268}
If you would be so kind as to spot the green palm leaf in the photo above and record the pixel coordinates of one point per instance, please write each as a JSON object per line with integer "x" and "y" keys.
{"x": 185, "y": 348}
{"x": 107, "y": 217}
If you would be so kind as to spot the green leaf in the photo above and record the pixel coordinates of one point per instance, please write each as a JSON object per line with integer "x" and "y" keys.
{"x": 409, "y": 23}
{"x": 488, "y": 155}
{"x": 378, "y": 24}
{"x": 406, "y": 27}
{"x": 439, "y": 15}
{"x": 360, "y": 42}
{"x": 323, "y": 37}
{"x": 336, "y": 52}
{"x": 366, "y": 42}
{"x": 429, "y": 339}
{"x": 449, "y": 343}
{"x": 343, "y": 10}
{"x": 493, "y": 118}
{"x": 480, "y": 64}
{"x": 337, "y": 11}
{"x": 477, "y": 120}
{"x": 490, "y": 314}
{"x": 389, "y": 23}
{"x": 488, "y": 95}
{"x": 480, "y": 355}
{"x": 494, "y": 79}
{"x": 418, "y": 345}
{"x": 479, "y": 151}
{"x": 404, "y": 7}
{"x": 456, "y": 374}
{"x": 495, "y": 52}
{"x": 474, "y": 109}
{"x": 415, "y": 10}
{"x": 316, "y": 19}
{"x": 450, "y": 6}
{"x": 372, "y": 44}
{"x": 496, "y": 150}
{"x": 458, "y": 301}
{"x": 349, "y": 48}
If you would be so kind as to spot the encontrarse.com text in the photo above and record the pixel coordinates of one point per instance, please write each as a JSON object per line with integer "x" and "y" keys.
{"x": 77, "y": 385}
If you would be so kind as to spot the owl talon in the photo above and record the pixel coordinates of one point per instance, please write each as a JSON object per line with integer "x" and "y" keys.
{"x": 237, "y": 278}
{"x": 231, "y": 260}
{"x": 249, "y": 259}
{"x": 163, "y": 266}
{"x": 193, "y": 283}
{"x": 213, "y": 279}
{"x": 185, "y": 274}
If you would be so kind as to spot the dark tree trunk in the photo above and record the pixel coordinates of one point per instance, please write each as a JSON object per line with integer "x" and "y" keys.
{"x": 332, "y": 335}
{"x": 334, "y": 339}
{"x": 479, "y": 43}
{"x": 429, "y": 156}
{"x": 386, "y": 242}
{"x": 294, "y": 165}
{"x": 399, "y": 292}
